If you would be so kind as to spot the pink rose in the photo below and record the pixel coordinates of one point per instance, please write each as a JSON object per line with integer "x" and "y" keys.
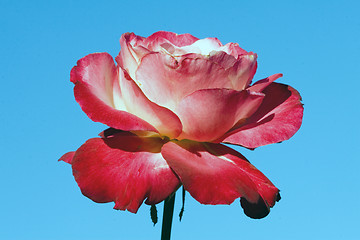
{"x": 171, "y": 101}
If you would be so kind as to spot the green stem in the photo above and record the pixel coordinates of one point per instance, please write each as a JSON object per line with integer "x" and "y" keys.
{"x": 167, "y": 217}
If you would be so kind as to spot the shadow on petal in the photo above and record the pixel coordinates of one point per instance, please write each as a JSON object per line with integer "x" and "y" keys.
{"x": 123, "y": 168}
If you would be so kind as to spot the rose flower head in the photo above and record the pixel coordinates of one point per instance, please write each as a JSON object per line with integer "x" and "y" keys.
{"x": 171, "y": 101}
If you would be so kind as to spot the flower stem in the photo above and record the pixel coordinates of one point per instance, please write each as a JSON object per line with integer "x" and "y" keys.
{"x": 167, "y": 217}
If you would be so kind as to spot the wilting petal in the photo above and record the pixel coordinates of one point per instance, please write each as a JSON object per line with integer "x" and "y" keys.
{"x": 165, "y": 80}
{"x": 260, "y": 85}
{"x": 95, "y": 78}
{"x": 164, "y": 120}
{"x": 216, "y": 174}
{"x": 208, "y": 114}
{"x": 125, "y": 169}
{"x": 277, "y": 119}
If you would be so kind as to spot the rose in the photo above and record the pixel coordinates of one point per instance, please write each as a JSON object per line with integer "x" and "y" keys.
{"x": 170, "y": 102}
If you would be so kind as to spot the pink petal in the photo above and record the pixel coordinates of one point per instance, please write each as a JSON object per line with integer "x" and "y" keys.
{"x": 67, "y": 157}
{"x": 243, "y": 71}
{"x": 165, "y": 80}
{"x": 216, "y": 174}
{"x": 277, "y": 119}
{"x": 222, "y": 58}
{"x": 131, "y": 54}
{"x": 123, "y": 168}
{"x": 164, "y": 120}
{"x": 260, "y": 85}
{"x": 97, "y": 91}
{"x": 204, "y": 46}
{"x": 208, "y": 114}
{"x": 233, "y": 49}
{"x": 178, "y": 40}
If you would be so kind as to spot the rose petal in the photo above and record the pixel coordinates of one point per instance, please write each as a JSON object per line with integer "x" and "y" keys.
{"x": 234, "y": 50}
{"x": 164, "y": 120}
{"x": 67, "y": 157}
{"x": 216, "y": 174}
{"x": 225, "y": 60}
{"x": 277, "y": 119}
{"x": 260, "y": 85}
{"x": 98, "y": 94}
{"x": 165, "y": 80}
{"x": 123, "y": 168}
{"x": 131, "y": 54}
{"x": 179, "y": 40}
{"x": 208, "y": 114}
{"x": 243, "y": 71}
{"x": 203, "y": 46}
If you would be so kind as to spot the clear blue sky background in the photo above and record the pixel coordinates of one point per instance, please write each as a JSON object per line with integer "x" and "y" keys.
{"x": 314, "y": 43}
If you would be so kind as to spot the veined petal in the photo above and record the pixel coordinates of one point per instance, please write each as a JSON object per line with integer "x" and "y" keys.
{"x": 164, "y": 120}
{"x": 277, "y": 119}
{"x": 216, "y": 174}
{"x": 98, "y": 94}
{"x": 123, "y": 168}
{"x": 208, "y": 114}
{"x": 166, "y": 80}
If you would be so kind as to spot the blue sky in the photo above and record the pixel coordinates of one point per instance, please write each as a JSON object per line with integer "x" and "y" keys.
{"x": 315, "y": 44}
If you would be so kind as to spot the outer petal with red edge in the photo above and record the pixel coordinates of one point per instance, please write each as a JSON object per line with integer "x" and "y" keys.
{"x": 123, "y": 168}
{"x": 216, "y": 174}
{"x": 208, "y": 114}
{"x": 96, "y": 86}
{"x": 277, "y": 119}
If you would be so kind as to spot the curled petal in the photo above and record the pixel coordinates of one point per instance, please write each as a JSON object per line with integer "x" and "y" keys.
{"x": 98, "y": 93}
{"x": 179, "y": 40}
{"x": 123, "y": 168}
{"x": 260, "y": 85}
{"x": 67, "y": 157}
{"x": 204, "y": 46}
{"x": 166, "y": 80}
{"x": 131, "y": 53}
{"x": 233, "y": 49}
{"x": 216, "y": 174}
{"x": 164, "y": 120}
{"x": 208, "y": 114}
{"x": 243, "y": 71}
{"x": 222, "y": 58}
{"x": 277, "y": 119}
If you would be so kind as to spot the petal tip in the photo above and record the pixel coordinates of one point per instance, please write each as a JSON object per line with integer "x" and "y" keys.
{"x": 67, "y": 157}
{"x": 257, "y": 210}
